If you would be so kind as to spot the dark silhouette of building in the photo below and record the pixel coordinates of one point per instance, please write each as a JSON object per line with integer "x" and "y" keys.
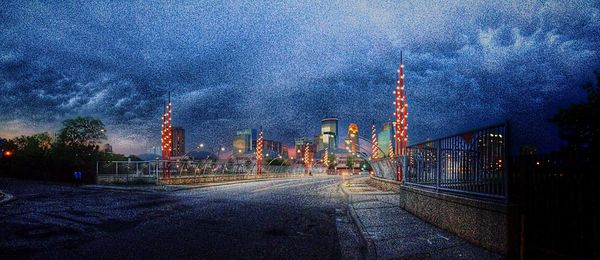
{"x": 178, "y": 141}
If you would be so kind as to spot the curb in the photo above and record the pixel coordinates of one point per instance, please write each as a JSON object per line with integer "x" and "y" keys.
{"x": 6, "y": 197}
{"x": 161, "y": 188}
{"x": 363, "y": 234}
{"x": 116, "y": 188}
{"x": 214, "y": 184}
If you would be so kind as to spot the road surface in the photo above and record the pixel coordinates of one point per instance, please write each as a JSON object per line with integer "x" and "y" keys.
{"x": 302, "y": 218}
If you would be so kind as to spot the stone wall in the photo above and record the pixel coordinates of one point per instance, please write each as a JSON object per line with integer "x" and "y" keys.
{"x": 492, "y": 225}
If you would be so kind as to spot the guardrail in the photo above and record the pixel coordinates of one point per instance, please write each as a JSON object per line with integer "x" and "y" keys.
{"x": 138, "y": 170}
{"x": 472, "y": 163}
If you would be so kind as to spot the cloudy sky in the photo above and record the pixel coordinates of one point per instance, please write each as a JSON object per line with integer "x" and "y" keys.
{"x": 244, "y": 64}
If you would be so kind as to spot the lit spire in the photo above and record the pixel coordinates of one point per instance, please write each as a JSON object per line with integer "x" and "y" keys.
{"x": 374, "y": 147}
{"x": 259, "y": 152}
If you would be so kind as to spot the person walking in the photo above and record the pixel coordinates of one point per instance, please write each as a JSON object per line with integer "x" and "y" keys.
{"x": 77, "y": 178}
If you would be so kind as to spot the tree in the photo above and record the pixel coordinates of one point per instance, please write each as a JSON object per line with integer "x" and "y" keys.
{"x": 332, "y": 160}
{"x": 350, "y": 162}
{"x": 37, "y": 144}
{"x": 29, "y": 156}
{"x": 77, "y": 147}
{"x": 578, "y": 124}
{"x": 82, "y": 132}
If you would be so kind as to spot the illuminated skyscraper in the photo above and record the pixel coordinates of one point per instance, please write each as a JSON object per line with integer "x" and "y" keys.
{"x": 329, "y": 133}
{"x": 384, "y": 140}
{"x": 353, "y": 137}
{"x": 244, "y": 142}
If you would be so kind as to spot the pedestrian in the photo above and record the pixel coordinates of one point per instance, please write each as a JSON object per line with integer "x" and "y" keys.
{"x": 77, "y": 178}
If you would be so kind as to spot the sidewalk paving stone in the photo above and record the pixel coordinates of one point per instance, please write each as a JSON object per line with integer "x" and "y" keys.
{"x": 395, "y": 233}
{"x": 371, "y": 204}
{"x": 399, "y": 231}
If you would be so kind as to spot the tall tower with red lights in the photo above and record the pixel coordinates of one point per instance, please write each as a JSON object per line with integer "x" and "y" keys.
{"x": 307, "y": 157}
{"x": 259, "y": 152}
{"x": 401, "y": 115}
{"x": 326, "y": 157}
{"x": 166, "y": 139}
{"x": 374, "y": 146}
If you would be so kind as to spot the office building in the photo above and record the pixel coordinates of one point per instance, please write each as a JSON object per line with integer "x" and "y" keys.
{"x": 352, "y": 138}
{"x": 244, "y": 142}
{"x": 178, "y": 139}
{"x": 385, "y": 138}
{"x": 272, "y": 148}
{"x": 329, "y": 134}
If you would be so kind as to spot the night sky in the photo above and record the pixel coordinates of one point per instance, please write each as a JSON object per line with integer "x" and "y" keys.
{"x": 285, "y": 66}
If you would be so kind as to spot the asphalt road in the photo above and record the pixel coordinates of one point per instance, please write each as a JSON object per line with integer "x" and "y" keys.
{"x": 301, "y": 218}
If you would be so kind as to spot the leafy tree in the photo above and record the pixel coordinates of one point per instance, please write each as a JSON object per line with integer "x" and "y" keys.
{"x": 40, "y": 156}
{"x": 77, "y": 147}
{"x": 29, "y": 156}
{"x": 82, "y": 133}
{"x": 578, "y": 124}
{"x": 332, "y": 160}
{"x": 37, "y": 144}
{"x": 350, "y": 162}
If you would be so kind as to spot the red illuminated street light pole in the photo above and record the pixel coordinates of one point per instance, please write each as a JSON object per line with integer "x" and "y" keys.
{"x": 401, "y": 115}
{"x": 166, "y": 139}
{"x": 307, "y": 157}
{"x": 259, "y": 152}
{"x": 374, "y": 146}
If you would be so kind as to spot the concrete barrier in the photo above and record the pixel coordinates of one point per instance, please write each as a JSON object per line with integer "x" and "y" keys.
{"x": 124, "y": 179}
{"x": 494, "y": 226}
{"x": 220, "y": 178}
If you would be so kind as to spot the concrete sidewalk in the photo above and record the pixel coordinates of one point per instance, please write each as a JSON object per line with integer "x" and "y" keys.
{"x": 391, "y": 232}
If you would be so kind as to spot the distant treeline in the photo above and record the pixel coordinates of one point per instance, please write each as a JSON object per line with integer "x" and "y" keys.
{"x": 55, "y": 157}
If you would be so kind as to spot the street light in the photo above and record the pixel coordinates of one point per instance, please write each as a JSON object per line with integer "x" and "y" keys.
{"x": 8, "y": 153}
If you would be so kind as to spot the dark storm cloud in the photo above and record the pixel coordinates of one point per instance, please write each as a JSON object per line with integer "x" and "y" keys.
{"x": 284, "y": 66}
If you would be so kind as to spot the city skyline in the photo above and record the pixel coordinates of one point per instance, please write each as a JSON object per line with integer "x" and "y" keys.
{"x": 460, "y": 129}
{"x": 286, "y": 66}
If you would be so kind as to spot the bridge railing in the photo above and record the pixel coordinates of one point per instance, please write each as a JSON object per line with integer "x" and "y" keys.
{"x": 472, "y": 163}
{"x": 187, "y": 168}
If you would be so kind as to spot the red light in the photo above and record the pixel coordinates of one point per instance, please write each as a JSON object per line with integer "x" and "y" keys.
{"x": 8, "y": 153}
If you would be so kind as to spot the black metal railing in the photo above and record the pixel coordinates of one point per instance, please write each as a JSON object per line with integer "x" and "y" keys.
{"x": 471, "y": 163}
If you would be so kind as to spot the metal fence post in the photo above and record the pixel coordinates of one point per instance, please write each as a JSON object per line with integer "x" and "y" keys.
{"x": 404, "y": 167}
{"x": 505, "y": 163}
{"x": 439, "y": 164}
